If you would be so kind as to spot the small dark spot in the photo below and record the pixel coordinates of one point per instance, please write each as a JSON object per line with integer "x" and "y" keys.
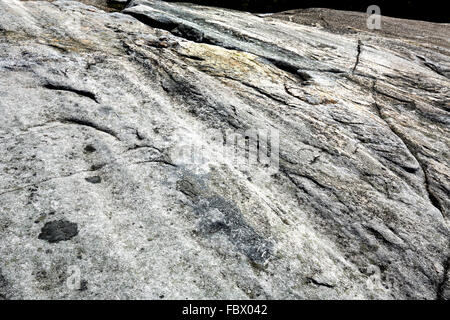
{"x": 83, "y": 285}
{"x": 60, "y": 230}
{"x": 161, "y": 296}
{"x": 79, "y": 254}
{"x": 95, "y": 179}
{"x": 96, "y": 167}
{"x": 90, "y": 148}
{"x": 139, "y": 136}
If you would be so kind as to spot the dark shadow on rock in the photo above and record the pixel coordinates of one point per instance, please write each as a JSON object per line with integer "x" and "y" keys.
{"x": 60, "y": 230}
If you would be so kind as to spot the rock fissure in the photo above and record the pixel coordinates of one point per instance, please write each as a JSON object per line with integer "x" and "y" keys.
{"x": 411, "y": 149}
{"x": 90, "y": 124}
{"x": 358, "y": 55}
{"x": 82, "y": 93}
{"x": 318, "y": 283}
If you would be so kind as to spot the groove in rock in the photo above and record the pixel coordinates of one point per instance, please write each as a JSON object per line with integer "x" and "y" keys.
{"x": 90, "y": 124}
{"x": 290, "y": 68}
{"x": 358, "y": 55}
{"x": 433, "y": 199}
{"x": 432, "y": 67}
{"x": 318, "y": 283}
{"x": 82, "y": 93}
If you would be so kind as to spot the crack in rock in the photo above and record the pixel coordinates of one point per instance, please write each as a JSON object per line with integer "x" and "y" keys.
{"x": 82, "y": 93}
{"x": 358, "y": 55}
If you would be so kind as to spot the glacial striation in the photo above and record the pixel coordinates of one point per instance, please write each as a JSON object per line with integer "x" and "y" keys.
{"x": 115, "y": 182}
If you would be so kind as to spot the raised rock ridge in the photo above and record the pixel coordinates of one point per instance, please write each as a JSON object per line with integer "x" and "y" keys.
{"x": 98, "y": 105}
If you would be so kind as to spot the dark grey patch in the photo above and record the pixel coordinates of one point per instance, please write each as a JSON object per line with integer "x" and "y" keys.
{"x": 106, "y": 110}
{"x": 33, "y": 193}
{"x": 96, "y": 167}
{"x": 95, "y": 179}
{"x": 83, "y": 285}
{"x": 3, "y": 285}
{"x": 220, "y": 215}
{"x": 2, "y": 281}
{"x": 188, "y": 188}
{"x": 188, "y": 33}
{"x": 89, "y": 148}
{"x": 288, "y": 67}
{"x": 60, "y": 230}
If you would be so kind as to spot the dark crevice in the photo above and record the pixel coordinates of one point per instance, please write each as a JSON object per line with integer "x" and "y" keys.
{"x": 289, "y": 174}
{"x": 259, "y": 90}
{"x": 310, "y": 179}
{"x": 413, "y": 106}
{"x": 90, "y": 124}
{"x": 163, "y": 161}
{"x": 290, "y": 68}
{"x": 408, "y": 102}
{"x": 358, "y": 55}
{"x": 294, "y": 182}
{"x": 412, "y": 149}
{"x": 318, "y": 283}
{"x": 177, "y": 29}
{"x": 409, "y": 169}
{"x": 433, "y": 67}
{"x": 167, "y": 24}
{"x": 330, "y": 70}
{"x": 380, "y": 237}
{"x": 137, "y": 147}
{"x": 433, "y": 199}
{"x": 82, "y": 93}
{"x": 191, "y": 57}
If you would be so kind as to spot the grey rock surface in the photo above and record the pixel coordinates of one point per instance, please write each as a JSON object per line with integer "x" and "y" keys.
{"x": 97, "y": 105}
